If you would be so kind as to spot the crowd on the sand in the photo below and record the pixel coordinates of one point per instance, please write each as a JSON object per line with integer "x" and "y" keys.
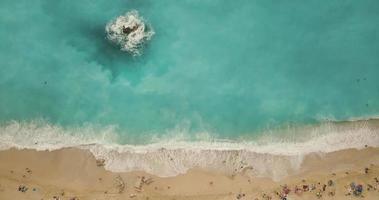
{"x": 282, "y": 193}
{"x": 319, "y": 189}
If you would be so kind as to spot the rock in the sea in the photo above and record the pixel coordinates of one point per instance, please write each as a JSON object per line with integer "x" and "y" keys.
{"x": 130, "y": 32}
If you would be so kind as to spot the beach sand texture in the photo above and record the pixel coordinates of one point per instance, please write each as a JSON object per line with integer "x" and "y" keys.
{"x": 75, "y": 174}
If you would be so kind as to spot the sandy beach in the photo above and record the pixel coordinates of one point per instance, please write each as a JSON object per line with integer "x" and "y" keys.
{"x": 74, "y": 174}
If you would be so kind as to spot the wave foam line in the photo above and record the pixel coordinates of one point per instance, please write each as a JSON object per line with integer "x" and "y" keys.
{"x": 268, "y": 156}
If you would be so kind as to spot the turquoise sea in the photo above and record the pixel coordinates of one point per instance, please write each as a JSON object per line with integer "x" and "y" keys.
{"x": 215, "y": 71}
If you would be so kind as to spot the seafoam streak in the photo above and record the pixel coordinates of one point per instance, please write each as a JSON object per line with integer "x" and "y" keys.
{"x": 268, "y": 156}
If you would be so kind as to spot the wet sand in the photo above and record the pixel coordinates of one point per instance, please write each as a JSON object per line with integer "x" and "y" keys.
{"x": 72, "y": 174}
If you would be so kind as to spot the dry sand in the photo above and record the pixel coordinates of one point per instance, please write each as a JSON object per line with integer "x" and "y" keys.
{"x": 75, "y": 174}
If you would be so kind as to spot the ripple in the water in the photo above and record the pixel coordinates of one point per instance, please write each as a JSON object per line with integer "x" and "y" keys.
{"x": 129, "y": 31}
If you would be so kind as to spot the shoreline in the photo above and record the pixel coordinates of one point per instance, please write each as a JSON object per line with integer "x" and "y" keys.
{"x": 72, "y": 172}
{"x": 275, "y": 155}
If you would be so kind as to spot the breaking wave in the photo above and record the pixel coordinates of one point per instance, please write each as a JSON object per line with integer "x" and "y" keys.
{"x": 129, "y": 31}
{"x": 268, "y": 156}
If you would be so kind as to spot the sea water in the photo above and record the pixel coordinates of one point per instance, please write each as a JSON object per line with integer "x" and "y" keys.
{"x": 220, "y": 83}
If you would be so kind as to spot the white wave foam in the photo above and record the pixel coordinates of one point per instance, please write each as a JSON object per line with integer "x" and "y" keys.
{"x": 40, "y": 135}
{"x": 129, "y": 31}
{"x": 269, "y": 156}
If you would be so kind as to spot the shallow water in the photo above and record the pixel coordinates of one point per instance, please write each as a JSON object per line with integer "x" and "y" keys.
{"x": 214, "y": 69}
{"x": 248, "y": 82}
